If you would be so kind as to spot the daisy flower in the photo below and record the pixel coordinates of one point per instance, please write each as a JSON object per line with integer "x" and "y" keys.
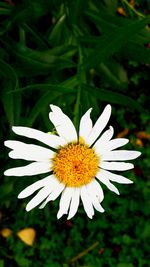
{"x": 76, "y": 163}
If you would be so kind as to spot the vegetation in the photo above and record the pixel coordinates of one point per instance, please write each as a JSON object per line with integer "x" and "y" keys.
{"x": 76, "y": 54}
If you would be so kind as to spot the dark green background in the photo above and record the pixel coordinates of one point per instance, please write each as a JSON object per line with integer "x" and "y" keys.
{"x": 76, "y": 54}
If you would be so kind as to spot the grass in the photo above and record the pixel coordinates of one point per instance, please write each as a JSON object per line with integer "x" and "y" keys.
{"x": 77, "y": 55}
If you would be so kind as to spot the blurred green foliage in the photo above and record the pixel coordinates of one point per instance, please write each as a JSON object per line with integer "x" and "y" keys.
{"x": 76, "y": 54}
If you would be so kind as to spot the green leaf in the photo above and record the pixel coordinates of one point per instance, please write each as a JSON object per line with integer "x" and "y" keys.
{"x": 105, "y": 21}
{"x": 71, "y": 82}
{"x": 126, "y": 239}
{"x": 112, "y": 97}
{"x": 137, "y": 52}
{"x": 40, "y": 62}
{"x": 143, "y": 37}
{"x": 9, "y": 73}
{"x": 48, "y": 87}
{"x": 75, "y": 9}
{"x": 16, "y": 14}
{"x": 125, "y": 265}
{"x": 110, "y": 44}
{"x": 10, "y": 83}
{"x": 63, "y": 50}
{"x": 40, "y": 41}
{"x": 51, "y": 94}
{"x": 146, "y": 231}
{"x": 111, "y": 6}
{"x": 60, "y": 32}
{"x": 41, "y": 104}
{"x": 4, "y": 11}
{"x": 8, "y": 103}
{"x": 114, "y": 74}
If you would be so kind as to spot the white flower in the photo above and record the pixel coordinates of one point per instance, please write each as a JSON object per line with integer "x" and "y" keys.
{"x": 75, "y": 163}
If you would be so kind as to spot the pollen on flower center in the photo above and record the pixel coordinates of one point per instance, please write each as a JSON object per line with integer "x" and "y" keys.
{"x": 75, "y": 164}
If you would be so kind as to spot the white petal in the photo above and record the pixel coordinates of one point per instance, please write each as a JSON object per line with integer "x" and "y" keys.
{"x": 26, "y": 155}
{"x": 44, "y": 192}
{"x": 46, "y": 138}
{"x": 63, "y": 124}
{"x": 115, "y": 177}
{"x": 105, "y": 180}
{"x": 97, "y": 189}
{"x": 101, "y": 144}
{"x": 121, "y": 155}
{"x": 30, "y": 169}
{"x": 54, "y": 194}
{"x": 105, "y": 137}
{"x": 118, "y": 142}
{"x": 28, "y": 151}
{"x": 99, "y": 125}
{"x": 116, "y": 166}
{"x": 48, "y": 181}
{"x": 85, "y": 125}
{"x": 65, "y": 201}
{"x": 102, "y": 147}
{"x": 87, "y": 204}
{"x": 94, "y": 198}
{"x": 74, "y": 203}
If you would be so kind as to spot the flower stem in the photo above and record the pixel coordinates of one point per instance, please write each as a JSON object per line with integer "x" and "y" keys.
{"x": 83, "y": 253}
{"x": 81, "y": 79}
{"x": 132, "y": 8}
{"x": 22, "y": 36}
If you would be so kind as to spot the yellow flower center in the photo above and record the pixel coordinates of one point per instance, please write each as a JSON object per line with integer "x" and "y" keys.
{"x": 75, "y": 164}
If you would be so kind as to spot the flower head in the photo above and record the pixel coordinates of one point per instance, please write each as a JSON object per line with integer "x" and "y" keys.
{"x": 76, "y": 163}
